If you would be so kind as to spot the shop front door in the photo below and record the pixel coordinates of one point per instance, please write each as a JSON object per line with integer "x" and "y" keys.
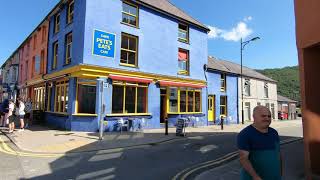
{"x": 211, "y": 108}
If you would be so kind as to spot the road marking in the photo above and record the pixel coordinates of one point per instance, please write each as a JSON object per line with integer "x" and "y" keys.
{"x": 7, "y": 150}
{"x": 183, "y": 175}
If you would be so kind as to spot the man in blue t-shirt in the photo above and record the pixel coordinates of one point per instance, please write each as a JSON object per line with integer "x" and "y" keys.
{"x": 259, "y": 148}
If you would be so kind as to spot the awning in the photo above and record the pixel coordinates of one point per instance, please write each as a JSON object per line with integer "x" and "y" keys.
{"x": 181, "y": 84}
{"x": 129, "y": 79}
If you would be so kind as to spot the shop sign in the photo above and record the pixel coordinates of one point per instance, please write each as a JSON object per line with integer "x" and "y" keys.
{"x": 103, "y": 44}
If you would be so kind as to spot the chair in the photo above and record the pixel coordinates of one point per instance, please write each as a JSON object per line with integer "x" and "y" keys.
{"x": 123, "y": 123}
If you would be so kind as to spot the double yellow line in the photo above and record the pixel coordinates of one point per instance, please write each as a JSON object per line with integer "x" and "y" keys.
{"x": 4, "y": 148}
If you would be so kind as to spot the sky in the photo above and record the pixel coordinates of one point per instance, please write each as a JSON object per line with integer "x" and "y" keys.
{"x": 229, "y": 20}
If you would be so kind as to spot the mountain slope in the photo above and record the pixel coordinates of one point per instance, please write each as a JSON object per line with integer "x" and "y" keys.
{"x": 288, "y": 81}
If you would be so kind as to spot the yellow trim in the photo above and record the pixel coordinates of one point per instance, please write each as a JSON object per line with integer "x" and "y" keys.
{"x": 76, "y": 101}
{"x": 187, "y": 31}
{"x": 124, "y": 64}
{"x": 98, "y": 71}
{"x": 66, "y": 114}
{"x": 35, "y": 81}
{"x": 184, "y": 112}
{"x": 130, "y": 114}
{"x": 84, "y": 114}
{"x": 49, "y": 98}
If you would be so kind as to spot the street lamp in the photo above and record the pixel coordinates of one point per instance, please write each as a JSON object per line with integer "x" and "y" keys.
{"x": 243, "y": 44}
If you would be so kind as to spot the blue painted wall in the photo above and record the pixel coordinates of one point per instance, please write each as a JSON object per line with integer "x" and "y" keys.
{"x": 231, "y": 93}
{"x": 77, "y": 29}
{"x": 158, "y": 40}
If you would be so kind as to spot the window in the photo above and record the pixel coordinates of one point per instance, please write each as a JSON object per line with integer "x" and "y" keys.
{"x": 223, "y": 83}
{"x": 129, "y": 49}
{"x": 34, "y": 42}
{"x": 86, "y": 96}
{"x": 268, "y": 105}
{"x": 49, "y": 96}
{"x": 21, "y": 70}
{"x": 183, "y": 62}
{"x": 129, "y": 98}
{"x": 247, "y": 87}
{"x": 38, "y": 98}
{"x": 266, "y": 91}
{"x": 247, "y": 111}
{"x": 33, "y": 65}
{"x": 68, "y": 48}
{"x": 70, "y": 12}
{"x": 61, "y": 97}
{"x": 26, "y": 71}
{"x": 258, "y": 104}
{"x": 55, "y": 55}
{"x": 223, "y": 106}
{"x": 44, "y": 32}
{"x": 57, "y": 23}
{"x": 130, "y": 14}
{"x": 42, "y": 62}
{"x": 183, "y": 33}
{"x": 37, "y": 65}
{"x": 184, "y": 100}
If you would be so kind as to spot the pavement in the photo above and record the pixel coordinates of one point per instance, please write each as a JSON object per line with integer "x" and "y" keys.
{"x": 39, "y": 139}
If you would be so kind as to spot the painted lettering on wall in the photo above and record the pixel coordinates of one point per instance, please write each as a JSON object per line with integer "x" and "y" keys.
{"x": 103, "y": 43}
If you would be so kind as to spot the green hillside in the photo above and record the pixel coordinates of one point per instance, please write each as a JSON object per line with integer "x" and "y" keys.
{"x": 288, "y": 80}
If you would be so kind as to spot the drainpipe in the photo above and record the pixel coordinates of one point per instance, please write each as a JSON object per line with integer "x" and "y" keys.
{"x": 205, "y": 69}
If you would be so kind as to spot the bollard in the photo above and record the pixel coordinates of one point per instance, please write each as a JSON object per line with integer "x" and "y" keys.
{"x": 166, "y": 125}
{"x": 221, "y": 123}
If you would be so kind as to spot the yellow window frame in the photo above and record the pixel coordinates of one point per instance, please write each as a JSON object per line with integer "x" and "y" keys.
{"x": 38, "y": 98}
{"x": 132, "y": 15}
{"x": 136, "y": 85}
{"x": 70, "y": 13}
{"x": 194, "y": 104}
{"x": 61, "y": 84}
{"x": 76, "y": 104}
{"x": 68, "y": 48}
{"x": 223, "y": 79}
{"x": 57, "y": 23}
{"x": 49, "y": 97}
{"x": 185, "y": 40}
{"x": 225, "y": 107}
{"x": 55, "y": 55}
{"x": 185, "y": 72}
{"x": 128, "y": 50}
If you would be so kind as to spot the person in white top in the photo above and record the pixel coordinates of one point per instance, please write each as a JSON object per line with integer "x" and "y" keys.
{"x": 20, "y": 113}
{"x": 11, "y": 117}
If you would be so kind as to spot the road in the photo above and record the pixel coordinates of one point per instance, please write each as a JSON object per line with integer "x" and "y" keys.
{"x": 162, "y": 161}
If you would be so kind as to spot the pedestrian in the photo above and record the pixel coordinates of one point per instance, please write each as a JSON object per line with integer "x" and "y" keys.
{"x": 2, "y": 124}
{"x": 20, "y": 113}
{"x": 28, "y": 110}
{"x": 5, "y": 106}
{"x": 10, "y": 116}
{"x": 259, "y": 148}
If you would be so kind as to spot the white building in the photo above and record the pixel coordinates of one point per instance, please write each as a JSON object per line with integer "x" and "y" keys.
{"x": 257, "y": 90}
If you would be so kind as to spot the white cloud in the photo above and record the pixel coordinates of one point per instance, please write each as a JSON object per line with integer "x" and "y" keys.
{"x": 235, "y": 34}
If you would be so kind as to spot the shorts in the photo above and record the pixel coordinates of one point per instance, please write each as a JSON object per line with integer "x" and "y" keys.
{"x": 20, "y": 116}
{"x": 12, "y": 119}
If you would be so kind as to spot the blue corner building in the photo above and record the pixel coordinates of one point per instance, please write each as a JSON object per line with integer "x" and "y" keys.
{"x": 136, "y": 61}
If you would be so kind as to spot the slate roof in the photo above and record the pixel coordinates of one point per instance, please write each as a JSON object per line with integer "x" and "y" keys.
{"x": 166, "y": 6}
{"x": 231, "y": 67}
{"x": 285, "y": 99}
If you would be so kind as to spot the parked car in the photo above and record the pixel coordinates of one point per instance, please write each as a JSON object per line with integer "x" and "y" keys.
{"x": 281, "y": 115}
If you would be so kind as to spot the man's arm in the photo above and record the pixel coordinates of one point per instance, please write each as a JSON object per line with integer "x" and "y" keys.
{"x": 246, "y": 164}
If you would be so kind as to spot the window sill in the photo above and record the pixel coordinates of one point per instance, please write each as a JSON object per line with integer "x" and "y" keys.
{"x": 58, "y": 113}
{"x": 128, "y": 65}
{"x": 85, "y": 114}
{"x": 129, "y": 114}
{"x": 185, "y": 113}
{"x": 127, "y": 24}
{"x": 183, "y": 41}
{"x": 66, "y": 64}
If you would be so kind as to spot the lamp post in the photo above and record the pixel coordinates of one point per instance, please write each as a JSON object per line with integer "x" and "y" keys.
{"x": 243, "y": 44}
